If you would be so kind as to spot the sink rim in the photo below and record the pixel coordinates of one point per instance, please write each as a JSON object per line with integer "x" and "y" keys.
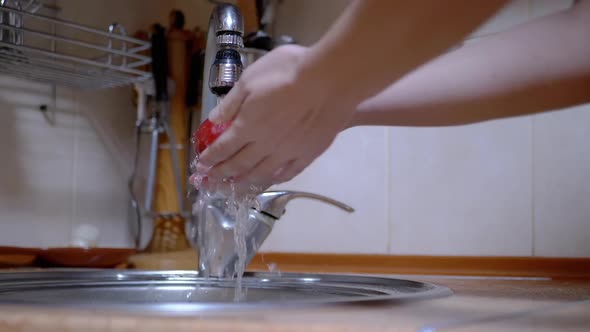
{"x": 371, "y": 289}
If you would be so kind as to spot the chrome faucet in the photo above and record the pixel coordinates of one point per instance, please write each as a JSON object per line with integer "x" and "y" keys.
{"x": 224, "y": 39}
{"x": 214, "y": 228}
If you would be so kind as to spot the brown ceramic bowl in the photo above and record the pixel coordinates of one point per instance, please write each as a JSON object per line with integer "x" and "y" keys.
{"x": 16, "y": 260}
{"x": 86, "y": 258}
{"x": 17, "y": 256}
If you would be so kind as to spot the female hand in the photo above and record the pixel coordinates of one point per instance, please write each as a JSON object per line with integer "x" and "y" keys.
{"x": 285, "y": 114}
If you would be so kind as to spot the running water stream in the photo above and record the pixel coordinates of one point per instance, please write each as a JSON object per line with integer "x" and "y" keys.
{"x": 236, "y": 203}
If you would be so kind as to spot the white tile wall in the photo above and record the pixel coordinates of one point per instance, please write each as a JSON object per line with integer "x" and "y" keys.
{"x": 55, "y": 177}
{"x": 351, "y": 171}
{"x": 514, "y": 13}
{"x": 562, "y": 183}
{"x": 100, "y": 191}
{"x": 462, "y": 190}
{"x": 454, "y": 191}
{"x": 544, "y": 7}
{"x": 520, "y": 11}
{"x": 35, "y": 191}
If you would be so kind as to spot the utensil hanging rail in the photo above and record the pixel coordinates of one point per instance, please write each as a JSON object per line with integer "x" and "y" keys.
{"x": 74, "y": 55}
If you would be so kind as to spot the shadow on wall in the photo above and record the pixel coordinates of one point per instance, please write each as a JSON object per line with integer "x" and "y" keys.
{"x": 20, "y": 124}
{"x": 105, "y": 116}
{"x": 110, "y": 114}
{"x": 35, "y": 181}
{"x": 60, "y": 173}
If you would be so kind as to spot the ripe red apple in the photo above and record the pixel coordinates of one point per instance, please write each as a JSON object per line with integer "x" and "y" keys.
{"x": 207, "y": 133}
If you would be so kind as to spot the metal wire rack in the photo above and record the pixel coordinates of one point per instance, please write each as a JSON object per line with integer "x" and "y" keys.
{"x": 55, "y": 51}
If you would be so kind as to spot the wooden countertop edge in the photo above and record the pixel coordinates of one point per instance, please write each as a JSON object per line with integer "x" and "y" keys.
{"x": 550, "y": 267}
{"x": 18, "y": 319}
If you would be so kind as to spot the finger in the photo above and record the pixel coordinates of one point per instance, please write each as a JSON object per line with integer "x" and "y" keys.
{"x": 224, "y": 147}
{"x": 195, "y": 180}
{"x": 198, "y": 181}
{"x": 229, "y": 105}
{"x": 264, "y": 171}
{"x": 240, "y": 163}
{"x": 291, "y": 170}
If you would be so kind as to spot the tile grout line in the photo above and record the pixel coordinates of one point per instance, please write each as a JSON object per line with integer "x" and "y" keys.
{"x": 533, "y": 244}
{"x": 388, "y": 200}
{"x": 75, "y": 164}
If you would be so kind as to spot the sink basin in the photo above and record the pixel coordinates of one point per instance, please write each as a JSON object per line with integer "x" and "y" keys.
{"x": 184, "y": 292}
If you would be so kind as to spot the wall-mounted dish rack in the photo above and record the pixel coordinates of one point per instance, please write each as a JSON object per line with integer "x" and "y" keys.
{"x": 50, "y": 50}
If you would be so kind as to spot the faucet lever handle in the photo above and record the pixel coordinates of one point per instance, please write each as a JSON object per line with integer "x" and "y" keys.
{"x": 273, "y": 203}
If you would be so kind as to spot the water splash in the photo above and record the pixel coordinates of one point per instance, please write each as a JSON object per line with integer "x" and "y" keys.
{"x": 238, "y": 209}
{"x": 236, "y": 202}
{"x": 274, "y": 268}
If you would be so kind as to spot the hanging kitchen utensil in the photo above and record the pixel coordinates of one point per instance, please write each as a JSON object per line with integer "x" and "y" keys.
{"x": 168, "y": 234}
{"x": 140, "y": 224}
{"x": 155, "y": 228}
{"x": 258, "y": 43}
{"x": 258, "y": 39}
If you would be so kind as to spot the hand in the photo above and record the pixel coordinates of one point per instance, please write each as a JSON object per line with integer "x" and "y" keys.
{"x": 284, "y": 116}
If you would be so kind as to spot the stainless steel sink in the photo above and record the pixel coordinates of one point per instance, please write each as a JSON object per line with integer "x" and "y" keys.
{"x": 184, "y": 292}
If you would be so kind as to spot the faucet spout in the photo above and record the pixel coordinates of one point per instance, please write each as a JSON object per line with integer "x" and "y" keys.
{"x": 226, "y": 18}
{"x": 215, "y": 238}
{"x": 273, "y": 203}
{"x": 226, "y": 28}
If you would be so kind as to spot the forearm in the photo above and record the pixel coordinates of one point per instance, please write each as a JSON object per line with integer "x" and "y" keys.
{"x": 375, "y": 42}
{"x": 542, "y": 65}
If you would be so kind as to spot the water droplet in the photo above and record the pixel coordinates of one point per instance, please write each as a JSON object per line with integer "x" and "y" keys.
{"x": 237, "y": 208}
{"x": 274, "y": 268}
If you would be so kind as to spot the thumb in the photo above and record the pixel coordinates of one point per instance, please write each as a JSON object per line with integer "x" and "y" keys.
{"x": 229, "y": 106}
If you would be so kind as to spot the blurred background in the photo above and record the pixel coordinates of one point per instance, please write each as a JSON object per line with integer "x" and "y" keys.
{"x": 516, "y": 187}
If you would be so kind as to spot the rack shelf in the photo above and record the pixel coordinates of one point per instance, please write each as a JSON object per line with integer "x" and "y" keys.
{"x": 51, "y": 50}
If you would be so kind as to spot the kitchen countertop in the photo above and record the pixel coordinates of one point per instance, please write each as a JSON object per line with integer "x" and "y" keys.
{"x": 479, "y": 304}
